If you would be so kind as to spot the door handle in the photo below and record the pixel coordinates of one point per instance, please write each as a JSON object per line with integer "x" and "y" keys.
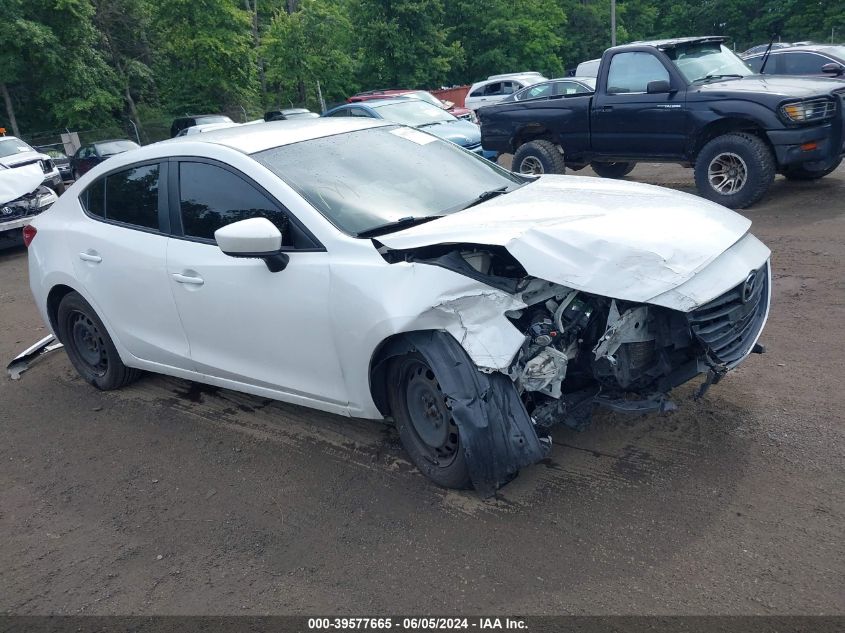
{"x": 90, "y": 256}
{"x": 188, "y": 279}
{"x": 606, "y": 109}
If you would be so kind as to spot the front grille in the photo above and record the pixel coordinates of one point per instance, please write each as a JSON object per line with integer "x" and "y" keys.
{"x": 728, "y": 326}
{"x": 818, "y": 109}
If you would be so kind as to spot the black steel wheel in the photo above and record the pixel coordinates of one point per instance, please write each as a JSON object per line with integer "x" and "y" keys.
{"x": 89, "y": 346}
{"x": 424, "y": 420}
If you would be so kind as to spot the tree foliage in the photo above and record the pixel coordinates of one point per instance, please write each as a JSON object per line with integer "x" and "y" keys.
{"x": 94, "y": 63}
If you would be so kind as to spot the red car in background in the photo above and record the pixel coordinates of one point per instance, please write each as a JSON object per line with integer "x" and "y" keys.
{"x": 455, "y": 110}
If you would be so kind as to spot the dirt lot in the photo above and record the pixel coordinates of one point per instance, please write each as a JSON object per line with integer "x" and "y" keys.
{"x": 171, "y": 498}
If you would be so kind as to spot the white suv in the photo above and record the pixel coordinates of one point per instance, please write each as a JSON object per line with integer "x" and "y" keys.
{"x": 497, "y": 87}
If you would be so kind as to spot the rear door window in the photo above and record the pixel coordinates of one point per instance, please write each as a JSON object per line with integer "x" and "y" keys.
{"x": 132, "y": 196}
{"x": 129, "y": 196}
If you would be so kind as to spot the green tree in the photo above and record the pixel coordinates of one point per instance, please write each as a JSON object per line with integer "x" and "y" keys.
{"x": 403, "y": 43}
{"x": 51, "y": 65}
{"x": 124, "y": 27}
{"x": 311, "y": 44}
{"x": 205, "y": 54}
{"x": 507, "y": 36}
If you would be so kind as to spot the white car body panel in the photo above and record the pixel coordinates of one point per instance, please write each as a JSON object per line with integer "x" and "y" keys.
{"x": 131, "y": 266}
{"x": 20, "y": 181}
{"x": 659, "y": 238}
{"x": 620, "y": 240}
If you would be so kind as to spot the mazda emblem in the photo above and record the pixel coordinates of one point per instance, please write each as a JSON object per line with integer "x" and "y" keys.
{"x": 749, "y": 286}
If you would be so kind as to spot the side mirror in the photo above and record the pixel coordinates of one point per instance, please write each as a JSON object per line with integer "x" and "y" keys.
{"x": 448, "y": 104}
{"x": 658, "y": 87}
{"x": 833, "y": 68}
{"x": 256, "y": 238}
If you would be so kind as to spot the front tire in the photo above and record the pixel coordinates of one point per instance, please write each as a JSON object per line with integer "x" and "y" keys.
{"x": 424, "y": 421}
{"x": 734, "y": 170}
{"x": 89, "y": 346}
{"x": 802, "y": 173}
{"x": 613, "y": 170}
{"x": 537, "y": 158}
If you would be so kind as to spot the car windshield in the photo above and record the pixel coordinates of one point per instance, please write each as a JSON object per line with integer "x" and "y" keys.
{"x": 12, "y": 146}
{"x": 115, "y": 147}
{"x": 707, "y": 60}
{"x": 369, "y": 178}
{"x": 414, "y": 113}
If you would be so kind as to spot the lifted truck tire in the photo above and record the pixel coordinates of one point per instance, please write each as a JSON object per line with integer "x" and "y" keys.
{"x": 801, "y": 173}
{"x": 734, "y": 170}
{"x": 89, "y": 346}
{"x": 613, "y": 170}
{"x": 538, "y": 157}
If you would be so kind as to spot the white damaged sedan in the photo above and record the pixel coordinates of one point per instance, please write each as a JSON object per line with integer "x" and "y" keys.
{"x": 374, "y": 270}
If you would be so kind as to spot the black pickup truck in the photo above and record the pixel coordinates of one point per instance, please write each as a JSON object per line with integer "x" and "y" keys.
{"x": 689, "y": 101}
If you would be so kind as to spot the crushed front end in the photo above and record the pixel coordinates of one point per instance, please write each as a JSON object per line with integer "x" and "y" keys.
{"x": 583, "y": 350}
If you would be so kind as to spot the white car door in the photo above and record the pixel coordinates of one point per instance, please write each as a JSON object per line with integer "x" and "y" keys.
{"x": 119, "y": 248}
{"x": 243, "y": 322}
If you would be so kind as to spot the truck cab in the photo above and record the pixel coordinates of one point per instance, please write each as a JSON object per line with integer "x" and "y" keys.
{"x": 689, "y": 101}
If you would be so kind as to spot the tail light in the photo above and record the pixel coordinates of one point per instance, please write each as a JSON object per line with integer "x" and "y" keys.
{"x": 29, "y": 232}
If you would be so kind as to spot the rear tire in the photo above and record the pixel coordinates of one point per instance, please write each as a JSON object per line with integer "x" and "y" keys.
{"x": 424, "y": 421}
{"x": 613, "y": 170}
{"x": 734, "y": 170}
{"x": 537, "y": 158}
{"x": 89, "y": 346}
{"x": 801, "y": 173}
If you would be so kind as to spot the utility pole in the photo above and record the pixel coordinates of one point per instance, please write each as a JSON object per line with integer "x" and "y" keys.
{"x": 613, "y": 22}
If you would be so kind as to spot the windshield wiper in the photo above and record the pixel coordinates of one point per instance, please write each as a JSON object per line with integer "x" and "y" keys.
{"x": 484, "y": 196}
{"x": 401, "y": 223}
{"x": 718, "y": 77}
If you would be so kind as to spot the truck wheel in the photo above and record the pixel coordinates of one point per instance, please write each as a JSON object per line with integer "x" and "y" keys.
{"x": 89, "y": 346}
{"x": 734, "y": 170}
{"x": 538, "y": 157}
{"x": 424, "y": 421}
{"x": 801, "y": 173}
{"x": 613, "y": 170}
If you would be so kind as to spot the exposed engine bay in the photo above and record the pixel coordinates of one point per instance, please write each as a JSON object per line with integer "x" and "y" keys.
{"x": 582, "y": 349}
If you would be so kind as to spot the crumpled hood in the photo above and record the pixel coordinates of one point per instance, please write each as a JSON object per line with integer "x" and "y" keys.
{"x": 18, "y": 182}
{"x": 623, "y": 240}
{"x": 463, "y": 133}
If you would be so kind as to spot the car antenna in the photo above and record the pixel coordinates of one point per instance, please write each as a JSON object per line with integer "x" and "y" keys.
{"x": 766, "y": 55}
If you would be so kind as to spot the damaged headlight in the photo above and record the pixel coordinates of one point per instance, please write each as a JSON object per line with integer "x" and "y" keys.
{"x": 812, "y": 110}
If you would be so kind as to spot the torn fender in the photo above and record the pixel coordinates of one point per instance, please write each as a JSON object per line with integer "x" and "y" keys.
{"x": 496, "y": 431}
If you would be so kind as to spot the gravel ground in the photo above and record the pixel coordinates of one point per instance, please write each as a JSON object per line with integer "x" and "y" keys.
{"x": 173, "y": 498}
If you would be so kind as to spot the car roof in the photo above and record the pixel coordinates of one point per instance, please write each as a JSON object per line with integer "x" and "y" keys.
{"x": 825, "y": 49}
{"x": 672, "y": 43}
{"x": 113, "y": 140}
{"x": 256, "y": 138}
